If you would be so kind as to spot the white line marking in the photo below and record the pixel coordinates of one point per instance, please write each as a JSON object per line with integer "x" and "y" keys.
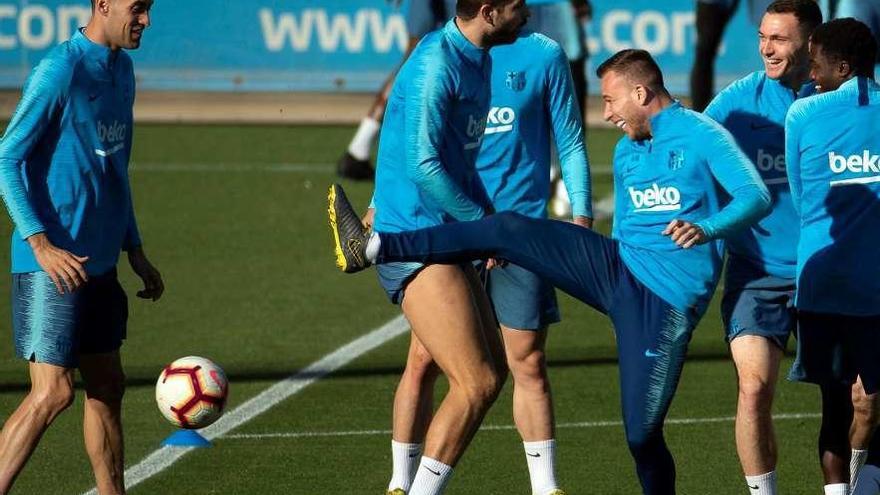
{"x": 585, "y": 424}
{"x": 857, "y": 180}
{"x": 500, "y": 128}
{"x": 160, "y": 459}
{"x": 778, "y": 180}
{"x": 328, "y": 168}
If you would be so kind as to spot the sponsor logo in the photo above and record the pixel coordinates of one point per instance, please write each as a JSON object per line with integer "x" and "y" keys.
{"x": 475, "y": 129}
{"x": 515, "y": 81}
{"x": 768, "y": 162}
{"x": 656, "y": 198}
{"x": 500, "y": 119}
{"x": 111, "y": 133}
{"x": 533, "y": 454}
{"x": 652, "y": 354}
{"x": 866, "y": 163}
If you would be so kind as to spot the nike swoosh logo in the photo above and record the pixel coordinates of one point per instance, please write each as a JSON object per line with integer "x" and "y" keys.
{"x": 753, "y": 487}
{"x": 651, "y": 354}
{"x": 93, "y": 97}
{"x": 533, "y": 455}
{"x": 756, "y": 127}
{"x": 414, "y": 454}
{"x": 437, "y": 473}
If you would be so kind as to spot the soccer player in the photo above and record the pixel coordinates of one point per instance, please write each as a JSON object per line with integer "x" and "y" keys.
{"x": 832, "y": 142}
{"x": 426, "y": 175}
{"x": 532, "y": 97}
{"x": 654, "y": 278}
{"x": 758, "y": 304}
{"x": 64, "y": 179}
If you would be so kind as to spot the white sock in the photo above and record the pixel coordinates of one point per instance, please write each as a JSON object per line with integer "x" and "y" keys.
{"x": 869, "y": 481}
{"x": 431, "y": 477}
{"x": 837, "y": 489}
{"x": 762, "y": 484}
{"x": 362, "y": 142}
{"x": 405, "y": 462}
{"x": 372, "y": 249}
{"x": 541, "y": 458}
{"x": 856, "y": 461}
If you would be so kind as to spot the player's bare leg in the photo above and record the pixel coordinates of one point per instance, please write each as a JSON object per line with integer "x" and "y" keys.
{"x": 440, "y": 306}
{"x": 757, "y": 364}
{"x": 834, "y": 447}
{"x": 414, "y": 397}
{"x": 533, "y": 404}
{"x": 102, "y": 419}
{"x": 51, "y": 393}
{"x": 866, "y": 412}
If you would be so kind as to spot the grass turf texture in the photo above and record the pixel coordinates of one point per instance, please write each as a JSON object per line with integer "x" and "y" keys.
{"x": 247, "y": 262}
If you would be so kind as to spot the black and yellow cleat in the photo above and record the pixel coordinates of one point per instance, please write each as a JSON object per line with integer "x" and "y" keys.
{"x": 349, "y": 235}
{"x": 396, "y": 491}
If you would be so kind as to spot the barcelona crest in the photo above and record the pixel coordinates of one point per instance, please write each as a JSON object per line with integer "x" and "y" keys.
{"x": 516, "y": 81}
{"x": 676, "y": 159}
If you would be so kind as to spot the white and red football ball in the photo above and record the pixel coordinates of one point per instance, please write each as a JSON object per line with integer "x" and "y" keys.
{"x": 191, "y": 392}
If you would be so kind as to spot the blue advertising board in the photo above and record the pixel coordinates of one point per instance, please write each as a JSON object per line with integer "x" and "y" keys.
{"x": 330, "y": 45}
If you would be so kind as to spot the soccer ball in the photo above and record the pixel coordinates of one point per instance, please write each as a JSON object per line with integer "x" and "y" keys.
{"x": 191, "y": 392}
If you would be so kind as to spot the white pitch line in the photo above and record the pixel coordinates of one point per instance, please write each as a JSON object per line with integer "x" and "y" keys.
{"x": 584, "y": 424}
{"x": 160, "y": 459}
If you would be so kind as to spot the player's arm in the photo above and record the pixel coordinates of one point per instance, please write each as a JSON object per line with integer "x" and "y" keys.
{"x": 720, "y": 106}
{"x": 568, "y": 131}
{"x": 738, "y": 176}
{"x": 431, "y": 95}
{"x": 793, "y": 154}
{"x": 42, "y": 101}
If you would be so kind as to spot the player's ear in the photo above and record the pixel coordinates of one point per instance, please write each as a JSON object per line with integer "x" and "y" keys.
{"x": 102, "y": 7}
{"x": 641, "y": 94}
{"x": 844, "y": 69}
{"x": 487, "y": 13}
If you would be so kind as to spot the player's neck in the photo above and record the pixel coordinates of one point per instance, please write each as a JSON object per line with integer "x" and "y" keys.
{"x": 473, "y": 32}
{"x": 796, "y": 80}
{"x": 93, "y": 32}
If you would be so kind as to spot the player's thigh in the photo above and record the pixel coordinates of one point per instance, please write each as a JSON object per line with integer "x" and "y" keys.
{"x": 756, "y": 359}
{"x": 104, "y": 316}
{"x": 103, "y": 374}
{"x": 51, "y": 378}
{"x": 488, "y": 322}
{"x": 440, "y": 308}
{"x": 521, "y": 299}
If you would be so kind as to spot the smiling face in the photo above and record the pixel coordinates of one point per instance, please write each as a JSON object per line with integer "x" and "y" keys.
{"x": 623, "y": 107}
{"x": 124, "y": 21}
{"x": 783, "y": 48}
{"x": 827, "y": 73}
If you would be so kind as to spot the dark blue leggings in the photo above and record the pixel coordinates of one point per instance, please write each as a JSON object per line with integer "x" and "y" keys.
{"x": 652, "y": 336}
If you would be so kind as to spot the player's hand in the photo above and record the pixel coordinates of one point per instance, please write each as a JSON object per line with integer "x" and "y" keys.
{"x": 153, "y": 286}
{"x": 495, "y": 263}
{"x": 585, "y": 222}
{"x": 64, "y": 268}
{"x": 685, "y": 234}
{"x": 367, "y": 219}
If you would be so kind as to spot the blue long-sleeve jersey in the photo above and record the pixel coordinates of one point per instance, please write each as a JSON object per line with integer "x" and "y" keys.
{"x": 753, "y": 109}
{"x": 833, "y": 154}
{"x": 674, "y": 175}
{"x": 426, "y": 168}
{"x": 532, "y": 100}
{"x": 64, "y": 157}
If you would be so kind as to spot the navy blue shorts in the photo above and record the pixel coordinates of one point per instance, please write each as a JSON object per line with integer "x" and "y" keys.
{"x": 521, "y": 300}
{"x": 835, "y": 349}
{"x": 394, "y": 277}
{"x": 756, "y": 303}
{"x": 54, "y": 328}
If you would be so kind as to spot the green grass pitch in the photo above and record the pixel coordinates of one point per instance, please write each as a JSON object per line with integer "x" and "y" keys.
{"x": 246, "y": 256}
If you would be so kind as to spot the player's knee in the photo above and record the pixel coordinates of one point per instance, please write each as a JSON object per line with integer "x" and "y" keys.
{"x": 52, "y": 399}
{"x": 482, "y": 391}
{"x": 644, "y": 444}
{"x": 420, "y": 365}
{"x": 755, "y": 394}
{"x": 529, "y": 370}
{"x": 865, "y": 408}
{"x": 109, "y": 392}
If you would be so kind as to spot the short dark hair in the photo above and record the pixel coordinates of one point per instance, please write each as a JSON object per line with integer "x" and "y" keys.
{"x": 636, "y": 65}
{"x": 468, "y": 9}
{"x": 848, "y": 40}
{"x": 807, "y": 12}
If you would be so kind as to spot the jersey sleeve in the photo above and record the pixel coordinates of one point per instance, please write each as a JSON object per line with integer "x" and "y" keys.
{"x": 619, "y": 195}
{"x": 793, "y": 154}
{"x": 719, "y": 108}
{"x": 568, "y": 132}
{"x": 432, "y": 92}
{"x": 42, "y": 101}
{"x": 750, "y": 199}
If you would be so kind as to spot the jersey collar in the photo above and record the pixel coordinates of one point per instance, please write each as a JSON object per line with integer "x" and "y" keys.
{"x": 467, "y": 49}
{"x": 659, "y": 119}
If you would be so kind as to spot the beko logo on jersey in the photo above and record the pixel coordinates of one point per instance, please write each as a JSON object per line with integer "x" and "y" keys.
{"x": 656, "y": 198}
{"x": 112, "y": 133}
{"x": 500, "y": 120}
{"x": 768, "y": 162}
{"x": 864, "y": 163}
{"x": 475, "y": 129}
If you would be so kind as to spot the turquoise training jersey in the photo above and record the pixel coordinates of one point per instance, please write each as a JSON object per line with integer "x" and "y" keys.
{"x": 64, "y": 156}
{"x": 833, "y": 156}
{"x": 675, "y": 175}
{"x": 533, "y": 102}
{"x": 426, "y": 167}
{"x": 753, "y": 109}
